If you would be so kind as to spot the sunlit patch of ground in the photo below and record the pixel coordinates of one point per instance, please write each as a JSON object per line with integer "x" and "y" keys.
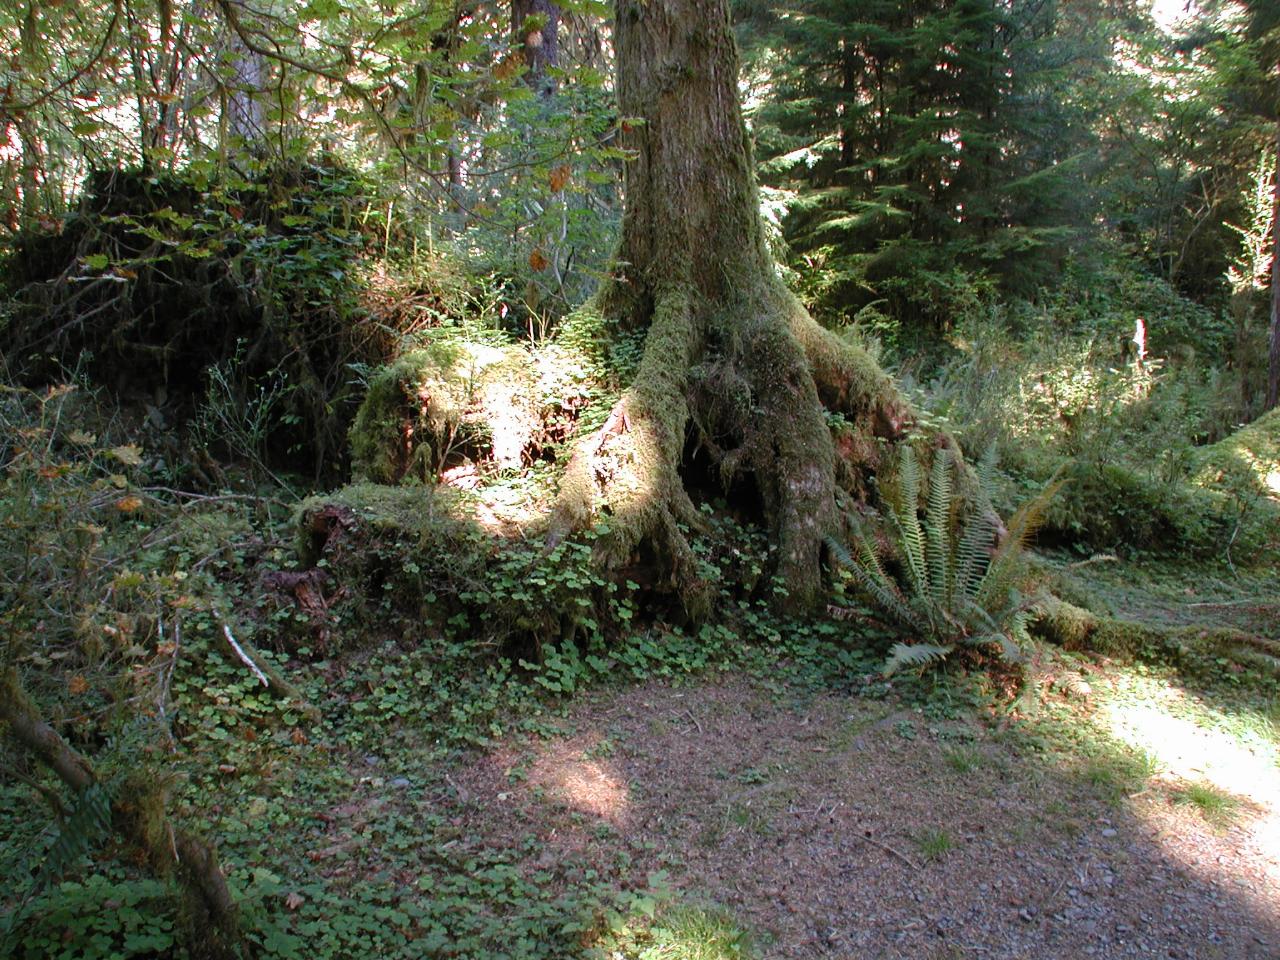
{"x": 1202, "y": 751}
{"x": 584, "y": 784}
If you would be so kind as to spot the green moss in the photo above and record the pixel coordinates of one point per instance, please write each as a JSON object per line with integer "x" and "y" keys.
{"x": 1247, "y": 463}
{"x": 630, "y": 466}
{"x": 1196, "y": 651}
{"x": 410, "y": 513}
{"x": 444, "y": 401}
{"x": 849, "y": 380}
{"x": 394, "y": 552}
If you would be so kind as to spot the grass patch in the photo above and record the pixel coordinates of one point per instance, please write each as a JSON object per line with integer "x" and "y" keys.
{"x": 934, "y": 844}
{"x": 1117, "y": 771}
{"x": 1216, "y": 806}
{"x": 696, "y": 933}
{"x": 963, "y": 759}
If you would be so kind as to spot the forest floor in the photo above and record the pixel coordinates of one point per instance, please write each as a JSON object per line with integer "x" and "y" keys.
{"x": 1137, "y": 818}
{"x": 834, "y": 825}
{"x": 767, "y": 808}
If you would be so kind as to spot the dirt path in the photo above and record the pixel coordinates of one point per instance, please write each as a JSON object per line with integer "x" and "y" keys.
{"x": 844, "y": 827}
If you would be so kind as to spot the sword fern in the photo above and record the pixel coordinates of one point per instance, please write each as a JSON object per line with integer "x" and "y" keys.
{"x": 957, "y": 573}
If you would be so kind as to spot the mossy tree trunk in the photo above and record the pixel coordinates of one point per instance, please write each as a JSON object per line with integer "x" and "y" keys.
{"x": 732, "y": 360}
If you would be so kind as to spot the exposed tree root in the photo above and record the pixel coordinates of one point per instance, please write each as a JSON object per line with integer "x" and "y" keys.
{"x": 754, "y": 382}
{"x": 627, "y": 470}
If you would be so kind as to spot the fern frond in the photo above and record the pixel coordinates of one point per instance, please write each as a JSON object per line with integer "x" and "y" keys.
{"x": 1029, "y": 517}
{"x": 1073, "y": 683}
{"x": 914, "y": 655}
{"x": 906, "y": 519}
{"x": 87, "y": 825}
{"x": 1019, "y": 622}
{"x": 1012, "y": 651}
{"x": 986, "y": 474}
{"x": 839, "y": 552}
{"x": 1023, "y": 525}
{"x": 937, "y": 527}
{"x": 870, "y": 576}
{"x": 973, "y": 555}
{"x": 873, "y": 579}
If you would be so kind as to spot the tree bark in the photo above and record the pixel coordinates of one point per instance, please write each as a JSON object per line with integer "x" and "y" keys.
{"x": 1273, "y": 353}
{"x": 540, "y": 43}
{"x": 732, "y": 360}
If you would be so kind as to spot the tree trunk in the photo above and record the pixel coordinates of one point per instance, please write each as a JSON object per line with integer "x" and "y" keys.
{"x": 1273, "y": 354}
{"x": 732, "y": 361}
{"x": 539, "y": 42}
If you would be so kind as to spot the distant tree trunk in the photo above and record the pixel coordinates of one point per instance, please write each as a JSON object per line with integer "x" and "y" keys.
{"x": 244, "y": 117}
{"x": 539, "y": 42}
{"x": 732, "y": 362}
{"x": 1273, "y": 355}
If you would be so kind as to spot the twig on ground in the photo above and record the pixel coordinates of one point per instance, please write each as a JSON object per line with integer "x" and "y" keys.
{"x": 888, "y": 849}
{"x": 226, "y": 632}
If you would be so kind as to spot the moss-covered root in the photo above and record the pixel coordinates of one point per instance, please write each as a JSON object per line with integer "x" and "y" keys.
{"x": 1194, "y": 649}
{"x": 629, "y": 468}
{"x": 789, "y": 449}
{"x": 848, "y": 379}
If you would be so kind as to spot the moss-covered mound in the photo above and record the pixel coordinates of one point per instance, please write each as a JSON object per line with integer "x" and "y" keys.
{"x": 1247, "y": 463}
{"x": 445, "y": 404}
{"x": 421, "y": 560}
{"x": 153, "y": 279}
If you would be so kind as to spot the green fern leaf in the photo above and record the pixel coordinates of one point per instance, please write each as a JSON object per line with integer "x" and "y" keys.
{"x": 937, "y": 528}
{"x": 1003, "y": 569}
{"x": 87, "y": 825}
{"x": 906, "y": 520}
{"x": 917, "y": 655}
{"x": 986, "y": 474}
{"x": 870, "y": 576}
{"x": 973, "y": 555}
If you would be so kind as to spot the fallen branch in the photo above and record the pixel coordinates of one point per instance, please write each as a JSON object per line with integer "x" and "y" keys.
{"x": 888, "y": 849}
{"x": 239, "y": 652}
{"x": 213, "y": 928}
{"x": 267, "y": 675}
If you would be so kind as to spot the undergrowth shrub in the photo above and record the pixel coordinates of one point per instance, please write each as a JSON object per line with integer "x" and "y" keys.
{"x": 1130, "y": 438}
{"x": 109, "y": 584}
{"x": 278, "y": 280}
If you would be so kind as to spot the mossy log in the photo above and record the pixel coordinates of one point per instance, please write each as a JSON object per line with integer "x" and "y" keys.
{"x": 209, "y": 918}
{"x": 1195, "y": 649}
{"x": 411, "y": 549}
{"x": 1246, "y": 463}
{"x": 732, "y": 361}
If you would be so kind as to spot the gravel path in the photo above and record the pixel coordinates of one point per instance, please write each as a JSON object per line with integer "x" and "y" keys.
{"x": 841, "y": 827}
